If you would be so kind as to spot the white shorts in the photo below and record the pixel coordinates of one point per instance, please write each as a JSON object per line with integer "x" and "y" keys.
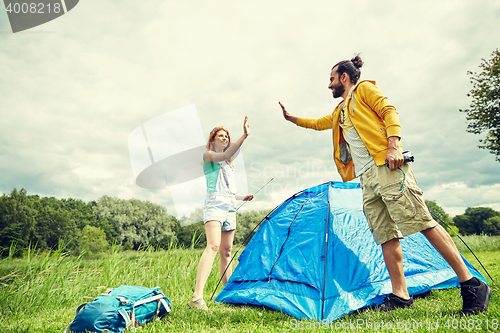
{"x": 220, "y": 208}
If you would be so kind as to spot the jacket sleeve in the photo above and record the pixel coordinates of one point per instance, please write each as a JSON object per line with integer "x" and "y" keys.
{"x": 318, "y": 124}
{"x": 379, "y": 104}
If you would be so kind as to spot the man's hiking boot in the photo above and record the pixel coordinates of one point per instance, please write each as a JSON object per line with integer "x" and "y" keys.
{"x": 475, "y": 295}
{"x": 393, "y": 302}
{"x": 198, "y": 304}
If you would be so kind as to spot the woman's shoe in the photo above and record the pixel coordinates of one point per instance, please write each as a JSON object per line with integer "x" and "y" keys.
{"x": 198, "y": 304}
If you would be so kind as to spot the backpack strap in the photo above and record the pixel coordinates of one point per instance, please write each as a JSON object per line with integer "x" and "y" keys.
{"x": 160, "y": 299}
{"x": 165, "y": 305}
{"x": 128, "y": 321}
{"x": 123, "y": 300}
{"x": 80, "y": 307}
{"x": 149, "y": 299}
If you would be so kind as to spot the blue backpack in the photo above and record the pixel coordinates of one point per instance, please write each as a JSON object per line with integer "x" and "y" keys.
{"x": 120, "y": 309}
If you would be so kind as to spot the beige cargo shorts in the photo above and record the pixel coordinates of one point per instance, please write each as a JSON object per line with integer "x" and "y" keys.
{"x": 393, "y": 203}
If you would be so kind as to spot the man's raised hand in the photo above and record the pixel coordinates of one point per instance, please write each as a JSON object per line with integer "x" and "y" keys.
{"x": 288, "y": 116}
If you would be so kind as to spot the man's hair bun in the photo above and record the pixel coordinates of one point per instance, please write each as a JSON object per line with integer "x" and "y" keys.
{"x": 351, "y": 67}
{"x": 358, "y": 63}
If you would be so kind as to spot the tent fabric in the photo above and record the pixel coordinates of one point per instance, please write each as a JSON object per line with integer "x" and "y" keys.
{"x": 314, "y": 258}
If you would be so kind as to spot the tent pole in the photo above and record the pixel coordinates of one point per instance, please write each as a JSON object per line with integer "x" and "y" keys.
{"x": 326, "y": 253}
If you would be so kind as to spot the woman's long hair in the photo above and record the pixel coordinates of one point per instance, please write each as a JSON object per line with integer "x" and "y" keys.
{"x": 211, "y": 139}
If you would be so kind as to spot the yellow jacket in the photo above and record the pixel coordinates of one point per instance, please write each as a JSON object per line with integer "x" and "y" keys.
{"x": 372, "y": 116}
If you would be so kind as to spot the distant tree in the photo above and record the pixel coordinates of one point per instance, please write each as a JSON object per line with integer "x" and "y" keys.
{"x": 195, "y": 217}
{"x": 192, "y": 235}
{"x": 17, "y": 220}
{"x": 439, "y": 212}
{"x": 484, "y": 112}
{"x": 137, "y": 222}
{"x": 190, "y": 230}
{"x": 93, "y": 240}
{"x": 492, "y": 226}
{"x": 472, "y": 222}
{"x": 42, "y": 221}
{"x": 47, "y": 221}
{"x": 464, "y": 225}
{"x": 186, "y": 234}
{"x": 80, "y": 211}
{"x": 247, "y": 221}
{"x": 170, "y": 239}
{"x": 55, "y": 223}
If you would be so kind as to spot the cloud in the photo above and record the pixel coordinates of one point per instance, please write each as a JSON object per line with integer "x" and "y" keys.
{"x": 70, "y": 98}
{"x": 457, "y": 196}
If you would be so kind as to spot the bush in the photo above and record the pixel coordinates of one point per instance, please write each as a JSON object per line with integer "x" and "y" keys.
{"x": 93, "y": 240}
{"x": 492, "y": 226}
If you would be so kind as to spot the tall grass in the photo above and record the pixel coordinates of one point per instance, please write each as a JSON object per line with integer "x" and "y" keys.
{"x": 36, "y": 279}
{"x": 477, "y": 243}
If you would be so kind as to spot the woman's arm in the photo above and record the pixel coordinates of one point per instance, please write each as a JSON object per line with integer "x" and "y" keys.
{"x": 211, "y": 156}
{"x": 247, "y": 197}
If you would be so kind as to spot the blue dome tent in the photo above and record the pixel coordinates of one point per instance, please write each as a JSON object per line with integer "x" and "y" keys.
{"x": 314, "y": 258}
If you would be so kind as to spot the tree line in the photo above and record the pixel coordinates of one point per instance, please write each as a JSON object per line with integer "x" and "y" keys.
{"x": 478, "y": 220}
{"x": 474, "y": 221}
{"x": 49, "y": 223}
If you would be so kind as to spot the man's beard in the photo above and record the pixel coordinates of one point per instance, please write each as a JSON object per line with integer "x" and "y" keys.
{"x": 338, "y": 90}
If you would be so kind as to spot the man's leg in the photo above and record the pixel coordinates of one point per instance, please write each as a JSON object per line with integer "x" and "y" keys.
{"x": 385, "y": 233}
{"x": 393, "y": 257}
{"x": 475, "y": 293}
{"x": 443, "y": 243}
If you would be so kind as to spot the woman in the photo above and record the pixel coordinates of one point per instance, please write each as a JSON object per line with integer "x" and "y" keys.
{"x": 219, "y": 213}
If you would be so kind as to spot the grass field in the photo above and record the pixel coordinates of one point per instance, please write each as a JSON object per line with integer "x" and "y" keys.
{"x": 40, "y": 292}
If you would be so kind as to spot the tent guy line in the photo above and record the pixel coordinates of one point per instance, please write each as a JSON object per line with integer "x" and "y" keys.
{"x": 480, "y": 263}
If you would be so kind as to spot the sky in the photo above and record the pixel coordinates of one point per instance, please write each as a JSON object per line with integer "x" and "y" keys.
{"x": 74, "y": 89}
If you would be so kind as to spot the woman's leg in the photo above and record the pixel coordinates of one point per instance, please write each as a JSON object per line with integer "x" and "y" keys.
{"x": 213, "y": 232}
{"x": 226, "y": 245}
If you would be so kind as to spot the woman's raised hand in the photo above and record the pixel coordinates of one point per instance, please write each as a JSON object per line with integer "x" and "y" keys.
{"x": 246, "y": 126}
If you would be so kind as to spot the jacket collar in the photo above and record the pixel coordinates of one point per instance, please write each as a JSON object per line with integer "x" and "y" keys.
{"x": 349, "y": 96}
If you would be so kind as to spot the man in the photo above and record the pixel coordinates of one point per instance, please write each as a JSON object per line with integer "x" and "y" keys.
{"x": 366, "y": 139}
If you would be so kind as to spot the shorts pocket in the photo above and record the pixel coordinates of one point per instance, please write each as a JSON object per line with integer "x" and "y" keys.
{"x": 399, "y": 204}
{"x": 417, "y": 196}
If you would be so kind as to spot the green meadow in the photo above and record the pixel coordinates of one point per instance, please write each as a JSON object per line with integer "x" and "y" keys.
{"x": 40, "y": 292}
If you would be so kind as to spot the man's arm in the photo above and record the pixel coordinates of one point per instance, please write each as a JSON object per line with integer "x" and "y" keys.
{"x": 387, "y": 112}
{"x": 378, "y": 102}
{"x": 394, "y": 155}
{"x": 318, "y": 124}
